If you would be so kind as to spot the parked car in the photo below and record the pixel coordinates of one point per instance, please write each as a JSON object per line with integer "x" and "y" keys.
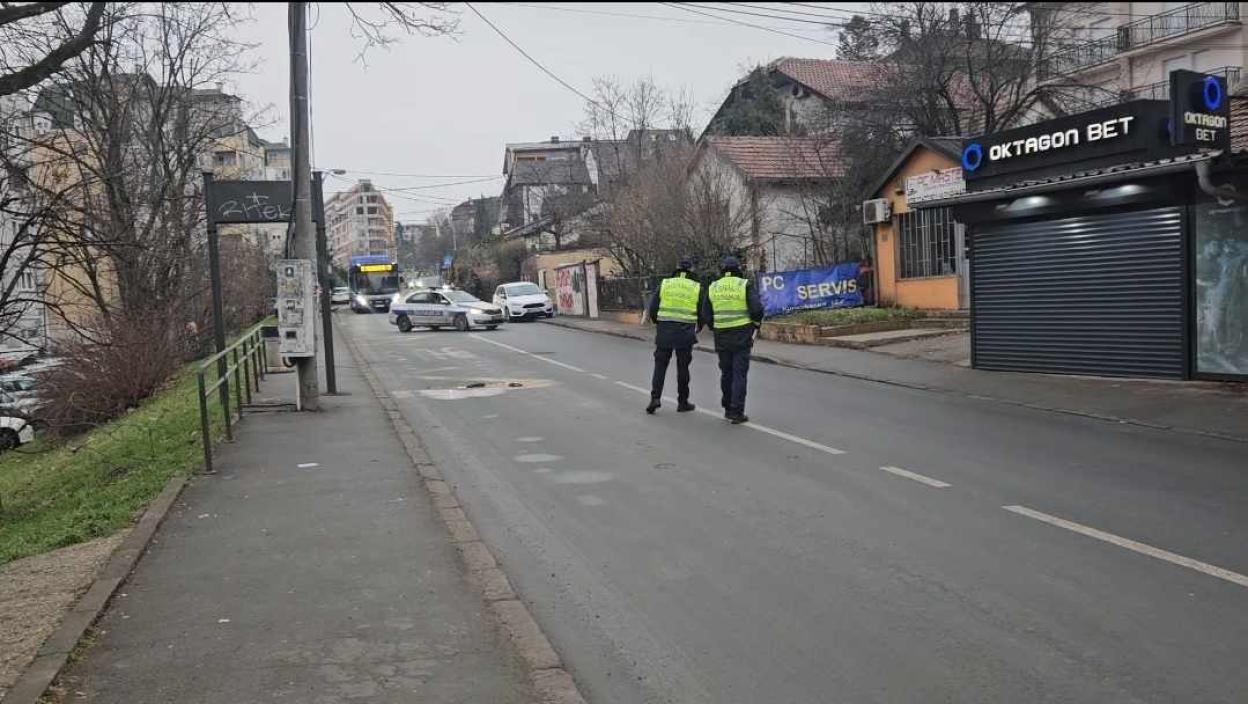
{"x": 444, "y": 308}
{"x": 523, "y": 300}
{"x": 340, "y": 295}
{"x": 14, "y": 432}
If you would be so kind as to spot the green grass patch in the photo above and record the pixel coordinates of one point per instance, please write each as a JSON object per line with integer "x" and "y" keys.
{"x": 95, "y": 484}
{"x": 847, "y": 316}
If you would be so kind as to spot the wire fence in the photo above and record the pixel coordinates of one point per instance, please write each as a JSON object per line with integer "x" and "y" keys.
{"x": 626, "y": 293}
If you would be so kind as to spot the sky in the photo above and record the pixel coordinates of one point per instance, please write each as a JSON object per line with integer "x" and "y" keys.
{"x": 431, "y": 111}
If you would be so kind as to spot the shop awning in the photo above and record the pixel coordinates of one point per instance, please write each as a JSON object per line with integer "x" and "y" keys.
{"x": 1078, "y": 179}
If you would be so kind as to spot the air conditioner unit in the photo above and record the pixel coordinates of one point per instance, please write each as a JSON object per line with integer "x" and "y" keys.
{"x": 878, "y": 210}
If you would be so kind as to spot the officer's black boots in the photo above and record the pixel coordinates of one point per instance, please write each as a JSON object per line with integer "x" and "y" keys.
{"x": 685, "y": 407}
{"x": 654, "y": 406}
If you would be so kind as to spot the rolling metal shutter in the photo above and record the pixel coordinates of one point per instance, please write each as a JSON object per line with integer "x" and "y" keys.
{"x": 1096, "y": 294}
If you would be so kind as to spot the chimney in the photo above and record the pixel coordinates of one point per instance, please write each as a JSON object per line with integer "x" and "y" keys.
{"x": 220, "y": 87}
{"x": 972, "y": 27}
{"x": 587, "y": 139}
{"x": 554, "y": 139}
{"x": 953, "y": 17}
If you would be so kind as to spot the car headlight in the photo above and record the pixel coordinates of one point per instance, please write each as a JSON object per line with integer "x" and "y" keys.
{"x": 476, "y": 311}
{"x": 361, "y": 300}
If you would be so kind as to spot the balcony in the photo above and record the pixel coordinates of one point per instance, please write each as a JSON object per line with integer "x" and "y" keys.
{"x": 1141, "y": 33}
{"x": 1156, "y": 91}
{"x": 1161, "y": 89}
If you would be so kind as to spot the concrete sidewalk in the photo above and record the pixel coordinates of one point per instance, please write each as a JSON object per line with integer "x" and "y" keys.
{"x": 1204, "y": 408}
{"x": 313, "y": 568}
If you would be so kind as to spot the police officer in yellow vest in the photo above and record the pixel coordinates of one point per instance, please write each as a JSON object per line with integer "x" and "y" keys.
{"x": 732, "y": 308}
{"x": 675, "y": 308}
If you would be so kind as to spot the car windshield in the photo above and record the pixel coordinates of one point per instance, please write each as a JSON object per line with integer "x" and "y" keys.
{"x": 342, "y": 289}
{"x": 461, "y": 297}
{"x": 523, "y": 290}
{"x": 18, "y": 384}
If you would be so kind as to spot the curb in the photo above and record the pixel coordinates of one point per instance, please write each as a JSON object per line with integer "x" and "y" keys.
{"x": 550, "y": 679}
{"x": 780, "y": 362}
{"x": 53, "y": 655}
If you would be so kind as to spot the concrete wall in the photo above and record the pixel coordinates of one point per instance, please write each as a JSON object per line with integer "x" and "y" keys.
{"x": 930, "y": 293}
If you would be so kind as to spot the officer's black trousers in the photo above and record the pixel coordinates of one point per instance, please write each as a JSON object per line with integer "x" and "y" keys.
{"x": 734, "y": 370}
{"x": 662, "y": 356}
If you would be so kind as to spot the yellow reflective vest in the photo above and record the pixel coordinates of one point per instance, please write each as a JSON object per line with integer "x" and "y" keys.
{"x": 729, "y": 304}
{"x": 678, "y": 300}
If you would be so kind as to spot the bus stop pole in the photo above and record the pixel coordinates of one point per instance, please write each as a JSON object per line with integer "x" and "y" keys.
{"x": 322, "y": 272}
{"x": 218, "y": 306}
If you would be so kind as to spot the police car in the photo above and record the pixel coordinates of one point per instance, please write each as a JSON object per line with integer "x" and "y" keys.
{"x": 443, "y": 308}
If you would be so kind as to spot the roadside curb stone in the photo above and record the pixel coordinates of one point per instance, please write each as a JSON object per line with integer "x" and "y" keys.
{"x": 551, "y": 681}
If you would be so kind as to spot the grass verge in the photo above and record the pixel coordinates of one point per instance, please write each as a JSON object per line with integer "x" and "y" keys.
{"x": 95, "y": 484}
{"x": 847, "y": 316}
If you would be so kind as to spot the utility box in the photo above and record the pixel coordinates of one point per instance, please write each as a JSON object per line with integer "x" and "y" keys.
{"x": 296, "y": 308}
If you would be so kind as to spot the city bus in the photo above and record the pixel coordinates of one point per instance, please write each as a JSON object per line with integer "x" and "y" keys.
{"x": 373, "y": 279}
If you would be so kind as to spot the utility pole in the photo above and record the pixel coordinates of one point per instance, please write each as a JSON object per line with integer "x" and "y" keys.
{"x": 305, "y": 244}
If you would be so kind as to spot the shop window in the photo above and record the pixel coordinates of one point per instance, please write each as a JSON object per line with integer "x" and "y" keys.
{"x": 1222, "y": 289}
{"x": 927, "y": 245}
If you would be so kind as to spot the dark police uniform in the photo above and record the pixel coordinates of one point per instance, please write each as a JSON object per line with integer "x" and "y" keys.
{"x": 675, "y": 309}
{"x": 732, "y": 308}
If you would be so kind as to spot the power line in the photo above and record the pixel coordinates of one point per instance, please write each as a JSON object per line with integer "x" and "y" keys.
{"x": 448, "y": 184}
{"x": 679, "y": 6}
{"x": 393, "y": 173}
{"x": 526, "y": 55}
{"x": 841, "y": 23}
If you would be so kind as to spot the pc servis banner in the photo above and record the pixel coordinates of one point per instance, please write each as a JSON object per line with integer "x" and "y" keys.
{"x": 825, "y": 287}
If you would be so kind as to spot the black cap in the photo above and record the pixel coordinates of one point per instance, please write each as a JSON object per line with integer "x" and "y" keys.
{"x": 730, "y": 263}
{"x": 685, "y": 263}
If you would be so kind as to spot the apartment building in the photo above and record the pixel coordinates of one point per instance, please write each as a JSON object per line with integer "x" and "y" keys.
{"x": 1120, "y": 51}
{"x": 360, "y": 222}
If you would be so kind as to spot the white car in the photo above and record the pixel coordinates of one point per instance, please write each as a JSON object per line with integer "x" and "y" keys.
{"x": 444, "y": 308}
{"x": 14, "y": 432}
{"x": 340, "y": 295}
{"x": 523, "y": 300}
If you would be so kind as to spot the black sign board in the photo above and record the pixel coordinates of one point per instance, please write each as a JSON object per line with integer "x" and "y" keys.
{"x": 1200, "y": 110}
{"x": 250, "y": 201}
{"x": 1132, "y": 131}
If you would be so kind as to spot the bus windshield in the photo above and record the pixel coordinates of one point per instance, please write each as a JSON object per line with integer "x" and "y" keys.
{"x": 376, "y": 282}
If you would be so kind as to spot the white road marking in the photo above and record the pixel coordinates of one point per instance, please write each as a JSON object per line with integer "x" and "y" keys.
{"x": 583, "y": 477}
{"x": 490, "y": 416}
{"x": 916, "y": 477}
{"x": 753, "y": 426}
{"x": 536, "y": 458}
{"x": 1143, "y": 549}
{"x": 530, "y": 438}
{"x": 630, "y": 387}
{"x": 598, "y": 376}
{"x": 517, "y": 350}
{"x": 306, "y": 465}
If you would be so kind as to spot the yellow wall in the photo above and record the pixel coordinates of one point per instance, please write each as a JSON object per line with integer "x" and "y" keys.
{"x": 931, "y": 293}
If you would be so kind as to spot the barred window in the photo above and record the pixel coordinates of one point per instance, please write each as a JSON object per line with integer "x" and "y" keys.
{"x": 926, "y": 243}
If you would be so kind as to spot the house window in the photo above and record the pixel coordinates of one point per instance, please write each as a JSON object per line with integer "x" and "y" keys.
{"x": 926, "y": 243}
{"x": 225, "y": 158}
{"x": 359, "y": 211}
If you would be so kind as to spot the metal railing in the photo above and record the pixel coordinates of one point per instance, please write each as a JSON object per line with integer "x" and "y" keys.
{"x": 1161, "y": 89}
{"x": 1140, "y": 33}
{"x": 247, "y": 367}
{"x": 1173, "y": 23}
{"x": 1154, "y": 91}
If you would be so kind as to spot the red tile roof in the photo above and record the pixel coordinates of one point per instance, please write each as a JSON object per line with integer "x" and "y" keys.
{"x": 832, "y": 79}
{"x": 781, "y": 157}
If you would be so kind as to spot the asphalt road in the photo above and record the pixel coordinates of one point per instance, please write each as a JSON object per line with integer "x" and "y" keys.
{"x": 1005, "y": 555}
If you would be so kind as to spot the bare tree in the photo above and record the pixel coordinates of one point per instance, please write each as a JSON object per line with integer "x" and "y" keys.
{"x": 38, "y": 38}
{"x": 375, "y": 22}
{"x": 134, "y": 119}
{"x": 958, "y": 68}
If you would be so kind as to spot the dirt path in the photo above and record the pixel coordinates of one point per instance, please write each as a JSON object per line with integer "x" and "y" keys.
{"x": 35, "y": 594}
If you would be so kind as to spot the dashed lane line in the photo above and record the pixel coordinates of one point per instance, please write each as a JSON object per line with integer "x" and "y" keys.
{"x": 752, "y": 426}
{"x": 517, "y": 350}
{"x": 1141, "y": 548}
{"x": 917, "y": 477}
